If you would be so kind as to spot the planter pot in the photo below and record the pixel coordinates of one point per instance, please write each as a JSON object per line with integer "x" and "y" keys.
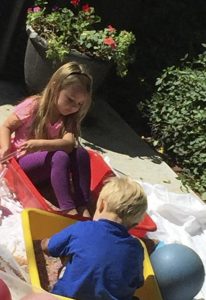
{"x": 38, "y": 69}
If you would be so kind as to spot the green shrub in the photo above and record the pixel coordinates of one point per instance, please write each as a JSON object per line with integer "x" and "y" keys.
{"x": 177, "y": 114}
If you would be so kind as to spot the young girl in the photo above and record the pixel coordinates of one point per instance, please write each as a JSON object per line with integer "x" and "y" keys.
{"x": 46, "y": 128}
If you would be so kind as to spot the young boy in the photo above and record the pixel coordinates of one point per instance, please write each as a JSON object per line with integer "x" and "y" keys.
{"x": 106, "y": 262}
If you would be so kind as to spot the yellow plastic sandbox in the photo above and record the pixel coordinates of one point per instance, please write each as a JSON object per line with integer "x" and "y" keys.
{"x": 39, "y": 224}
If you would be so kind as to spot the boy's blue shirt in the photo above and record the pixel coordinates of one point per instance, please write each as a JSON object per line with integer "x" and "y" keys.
{"x": 106, "y": 264}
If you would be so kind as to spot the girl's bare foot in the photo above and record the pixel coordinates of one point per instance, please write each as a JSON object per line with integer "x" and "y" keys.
{"x": 83, "y": 211}
{"x": 71, "y": 212}
{"x": 52, "y": 206}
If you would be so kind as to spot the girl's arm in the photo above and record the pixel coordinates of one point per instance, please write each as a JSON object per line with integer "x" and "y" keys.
{"x": 65, "y": 144}
{"x": 6, "y": 129}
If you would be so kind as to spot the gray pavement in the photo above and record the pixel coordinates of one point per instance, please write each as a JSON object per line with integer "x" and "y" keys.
{"x": 105, "y": 131}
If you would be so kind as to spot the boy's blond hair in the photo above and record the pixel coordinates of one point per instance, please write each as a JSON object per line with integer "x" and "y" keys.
{"x": 126, "y": 198}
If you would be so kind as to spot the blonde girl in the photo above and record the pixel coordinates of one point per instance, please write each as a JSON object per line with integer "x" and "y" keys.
{"x": 46, "y": 129}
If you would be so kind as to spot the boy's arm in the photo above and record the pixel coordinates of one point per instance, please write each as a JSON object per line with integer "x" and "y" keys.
{"x": 65, "y": 144}
{"x": 44, "y": 246}
{"x": 59, "y": 244}
{"x": 6, "y": 129}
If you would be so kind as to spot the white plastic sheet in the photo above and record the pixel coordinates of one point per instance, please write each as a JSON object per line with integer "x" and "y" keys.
{"x": 180, "y": 218}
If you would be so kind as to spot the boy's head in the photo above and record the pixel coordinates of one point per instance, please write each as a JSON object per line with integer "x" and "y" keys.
{"x": 125, "y": 198}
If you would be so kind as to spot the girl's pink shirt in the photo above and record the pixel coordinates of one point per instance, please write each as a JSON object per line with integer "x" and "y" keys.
{"x": 25, "y": 111}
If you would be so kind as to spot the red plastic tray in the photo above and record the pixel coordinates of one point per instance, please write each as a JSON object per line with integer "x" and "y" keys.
{"x": 29, "y": 196}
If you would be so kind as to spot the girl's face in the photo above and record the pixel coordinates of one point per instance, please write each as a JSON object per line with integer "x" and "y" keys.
{"x": 71, "y": 99}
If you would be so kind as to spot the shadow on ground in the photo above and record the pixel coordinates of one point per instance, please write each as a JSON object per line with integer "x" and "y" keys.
{"x": 104, "y": 129}
{"x": 11, "y": 93}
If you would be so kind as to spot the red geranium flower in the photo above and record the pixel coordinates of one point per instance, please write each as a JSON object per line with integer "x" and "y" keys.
{"x": 111, "y": 28}
{"x": 86, "y": 8}
{"x": 75, "y": 2}
{"x": 30, "y": 9}
{"x": 110, "y": 42}
{"x": 36, "y": 9}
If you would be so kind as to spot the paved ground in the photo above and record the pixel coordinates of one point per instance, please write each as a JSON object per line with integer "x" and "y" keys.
{"x": 105, "y": 131}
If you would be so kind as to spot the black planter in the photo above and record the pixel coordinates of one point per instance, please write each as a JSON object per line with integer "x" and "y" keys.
{"x": 38, "y": 69}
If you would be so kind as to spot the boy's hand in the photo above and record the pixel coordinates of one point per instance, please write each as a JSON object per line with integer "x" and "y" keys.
{"x": 44, "y": 245}
{"x": 65, "y": 260}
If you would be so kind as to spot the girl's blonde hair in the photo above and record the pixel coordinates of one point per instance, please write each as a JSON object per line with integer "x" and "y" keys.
{"x": 68, "y": 74}
{"x": 126, "y": 198}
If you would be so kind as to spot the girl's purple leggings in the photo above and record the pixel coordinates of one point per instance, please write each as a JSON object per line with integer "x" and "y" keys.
{"x": 57, "y": 167}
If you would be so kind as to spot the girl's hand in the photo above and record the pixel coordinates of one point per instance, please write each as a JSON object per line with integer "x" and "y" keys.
{"x": 4, "y": 152}
{"x": 29, "y": 146}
